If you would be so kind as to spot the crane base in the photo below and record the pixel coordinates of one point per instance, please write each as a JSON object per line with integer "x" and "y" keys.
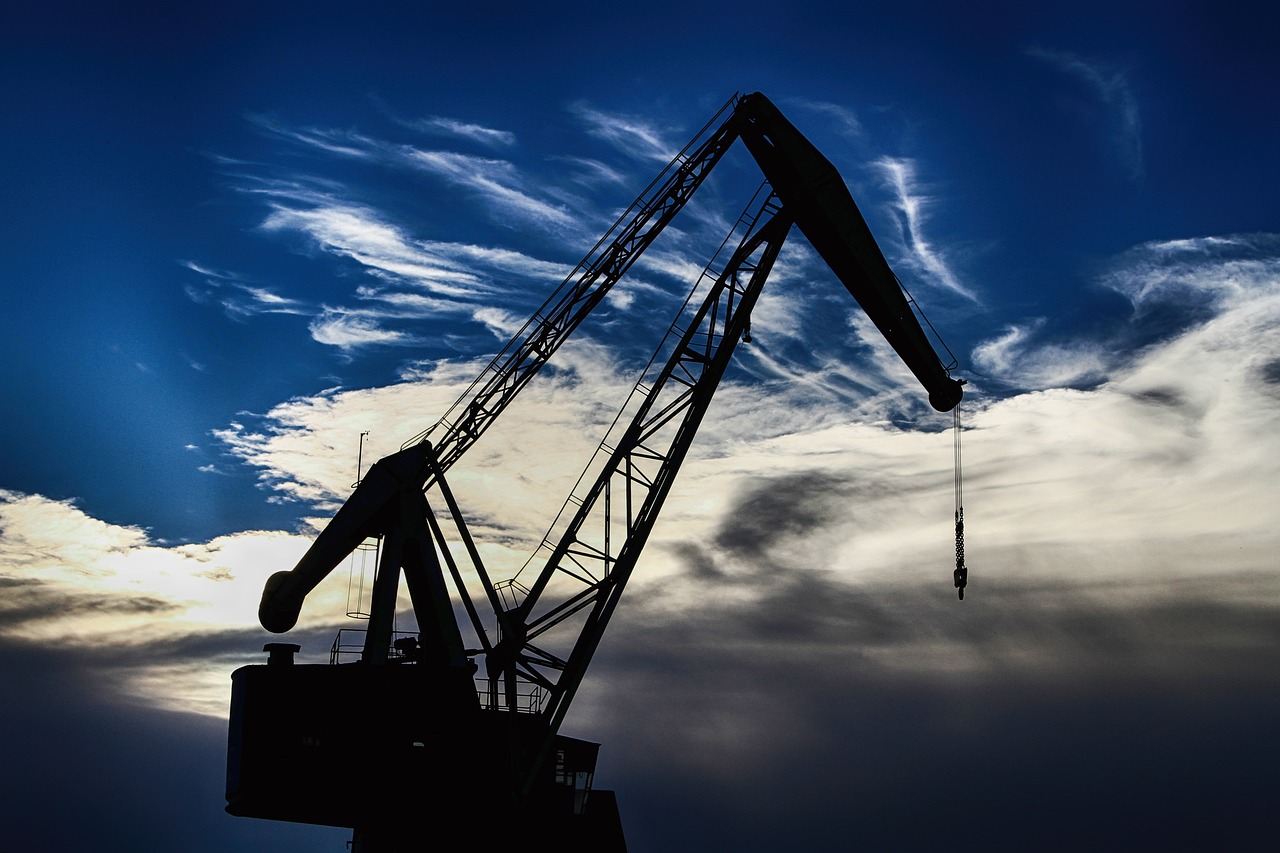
{"x": 395, "y": 753}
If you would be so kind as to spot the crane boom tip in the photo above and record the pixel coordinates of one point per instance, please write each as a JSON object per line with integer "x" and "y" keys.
{"x": 947, "y": 396}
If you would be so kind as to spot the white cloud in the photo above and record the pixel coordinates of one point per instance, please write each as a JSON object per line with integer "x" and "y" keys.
{"x": 458, "y": 278}
{"x": 1071, "y": 468}
{"x": 467, "y": 130}
{"x": 593, "y": 172}
{"x": 632, "y": 135}
{"x": 1160, "y": 404}
{"x": 1157, "y": 484}
{"x": 347, "y": 330}
{"x": 502, "y": 260}
{"x": 366, "y": 237}
{"x": 305, "y": 447}
{"x": 84, "y": 584}
{"x": 672, "y": 263}
{"x": 239, "y": 298}
{"x": 1018, "y": 358}
{"x": 1177, "y": 286}
{"x": 406, "y": 304}
{"x": 206, "y": 271}
{"x": 455, "y": 271}
{"x": 345, "y": 143}
{"x": 1220, "y": 271}
{"x": 497, "y": 181}
{"x": 267, "y": 298}
{"x": 912, "y": 204}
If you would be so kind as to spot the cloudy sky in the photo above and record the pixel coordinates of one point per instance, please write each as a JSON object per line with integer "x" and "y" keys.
{"x": 238, "y": 235}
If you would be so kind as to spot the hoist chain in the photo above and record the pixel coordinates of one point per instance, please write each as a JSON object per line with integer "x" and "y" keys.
{"x": 961, "y": 574}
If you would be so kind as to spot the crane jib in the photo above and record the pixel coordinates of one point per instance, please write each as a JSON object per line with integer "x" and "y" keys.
{"x": 812, "y": 189}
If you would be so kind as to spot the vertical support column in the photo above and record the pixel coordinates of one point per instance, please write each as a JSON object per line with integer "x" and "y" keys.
{"x": 386, "y": 586}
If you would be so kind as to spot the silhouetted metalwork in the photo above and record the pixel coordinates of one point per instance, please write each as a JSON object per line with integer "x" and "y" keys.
{"x": 415, "y": 720}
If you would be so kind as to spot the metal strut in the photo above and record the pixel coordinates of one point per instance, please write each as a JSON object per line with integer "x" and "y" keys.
{"x": 628, "y": 493}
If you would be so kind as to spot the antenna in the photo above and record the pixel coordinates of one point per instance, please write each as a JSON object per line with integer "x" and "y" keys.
{"x": 360, "y": 459}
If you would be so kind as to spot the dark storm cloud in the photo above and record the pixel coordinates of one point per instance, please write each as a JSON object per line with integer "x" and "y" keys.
{"x": 806, "y": 608}
{"x": 1032, "y": 629}
{"x": 789, "y": 506}
{"x": 230, "y": 647}
{"x": 1163, "y": 397}
{"x": 1270, "y": 372}
{"x": 24, "y": 600}
{"x": 821, "y": 715}
{"x": 697, "y": 561}
{"x": 789, "y": 707}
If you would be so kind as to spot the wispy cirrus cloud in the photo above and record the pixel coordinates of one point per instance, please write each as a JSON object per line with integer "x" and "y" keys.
{"x": 415, "y": 279}
{"x": 412, "y": 278}
{"x": 422, "y": 277}
{"x": 844, "y": 119}
{"x": 349, "y": 329}
{"x": 418, "y": 279}
{"x": 1111, "y": 86}
{"x": 1020, "y": 356}
{"x": 911, "y": 202}
{"x": 1219, "y": 270}
{"x": 498, "y": 181}
{"x": 591, "y": 172}
{"x": 1184, "y": 292}
{"x": 462, "y": 272}
{"x": 239, "y": 298}
{"x": 372, "y": 240}
{"x": 443, "y": 126}
{"x": 635, "y": 136}
{"x": 345, "y": 143}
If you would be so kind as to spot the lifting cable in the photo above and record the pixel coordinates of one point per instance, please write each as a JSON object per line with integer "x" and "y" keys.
{"x": 961, "y": 575}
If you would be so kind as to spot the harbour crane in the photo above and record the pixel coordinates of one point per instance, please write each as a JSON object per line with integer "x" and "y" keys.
{"x": 459, "y": 724}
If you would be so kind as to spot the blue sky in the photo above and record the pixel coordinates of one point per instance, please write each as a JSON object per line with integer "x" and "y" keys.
{"x": 236, "y": 236}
